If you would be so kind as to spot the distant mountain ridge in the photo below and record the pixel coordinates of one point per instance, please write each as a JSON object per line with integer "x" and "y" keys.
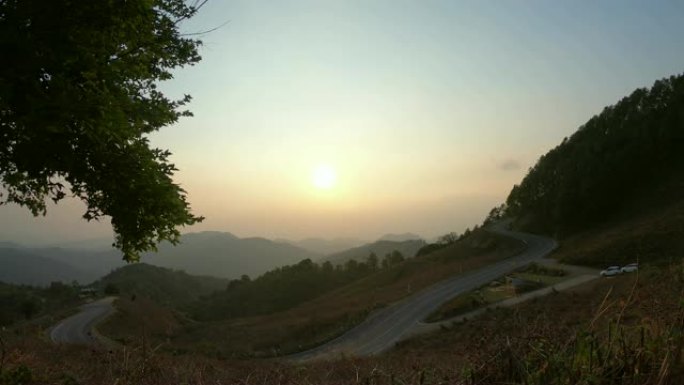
{"x": 325, "y": 246}
{"x": 210, "y": 253}
{"x": 207, "y": 253}
{"x": 225, "y": 255}
{"x": 400, "y": 237}
{"x": 407, "y": 248}
{"x": 99, "y": 244}
{"x": 18, "y": 266}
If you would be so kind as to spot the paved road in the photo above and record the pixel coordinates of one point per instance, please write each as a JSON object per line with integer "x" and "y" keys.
{"x": 77, "y": 329}
{"x": 386, "y": 326}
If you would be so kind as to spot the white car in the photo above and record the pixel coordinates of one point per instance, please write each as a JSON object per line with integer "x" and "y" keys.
{"x": 632, "y": 267}
{"x": 611, "y": 271}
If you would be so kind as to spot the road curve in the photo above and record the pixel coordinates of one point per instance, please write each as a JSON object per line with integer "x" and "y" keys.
{"x": 382, "y": 329}
{"x": 78, "y": 328}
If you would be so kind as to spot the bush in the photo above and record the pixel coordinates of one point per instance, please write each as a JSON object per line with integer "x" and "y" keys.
{"x": 111, "y": 289}
{"x": 20, "y": 375}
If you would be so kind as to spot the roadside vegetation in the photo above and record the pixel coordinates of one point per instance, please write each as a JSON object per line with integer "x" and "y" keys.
{"x": 286, "y": 287}
{"x": 528, "y": 279}
{"x": 20, "y": 302}
{"x": 609, "y": 332}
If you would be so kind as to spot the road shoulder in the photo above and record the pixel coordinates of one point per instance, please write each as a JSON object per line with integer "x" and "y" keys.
{"x": 586, "y": 276}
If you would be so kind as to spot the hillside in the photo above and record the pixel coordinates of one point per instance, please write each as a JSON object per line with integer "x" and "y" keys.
{"x": 327, "y": 313}
{"x": 92, "y": 263}
{"x": 276, "y": 290}
{"x": 224, "y": 255}
{"x": 381, "y": 248}
{"x": 162, "y": 285}
{"x": 325, "y": 246}
{"x": 631, "y": 320}
{"x": 627, "y": 157}
{"x": 21, "y": 302}
{"x": 21, "y": 266}
{"x": 653, "y": 236}
{"x": 216, "y": 254}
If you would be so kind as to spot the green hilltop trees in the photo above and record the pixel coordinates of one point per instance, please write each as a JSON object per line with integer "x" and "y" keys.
{"x": 285, "y": 287}
{"x": 78, "y": 96}
{"x": 21, "y": 302}
{"x": 629, "y": 150}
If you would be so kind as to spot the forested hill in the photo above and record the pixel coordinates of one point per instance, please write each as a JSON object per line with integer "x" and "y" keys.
{"x": 630, "y": 150}
{"x": 164, "y": 286}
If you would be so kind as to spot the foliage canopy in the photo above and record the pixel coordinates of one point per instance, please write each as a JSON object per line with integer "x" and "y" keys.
{"x": 78, "y": 96}
{"x": 288, "y": 286}
{"x": 628, "y": 150}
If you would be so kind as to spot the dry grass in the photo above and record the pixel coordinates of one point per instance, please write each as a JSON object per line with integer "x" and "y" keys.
{"x": 654, "y": 236}
{"x": 141, "y": 318}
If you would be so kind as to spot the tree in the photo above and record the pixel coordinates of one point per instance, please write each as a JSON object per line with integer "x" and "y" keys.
{"x": 495, "y": 214}
{"x": 396, "y": 258}
{"x": 385, "y": 263}
{"x": 29, "y": 307}
{"x": 78, "y": 97}
{"x": 372, "y": 261}
{"x": 111, "y": 289}
{"x": 448, "y": 238}
{"x": 351, "y": 265}
{"x": 392, "y": 259}
{"x": 327, "y": 267}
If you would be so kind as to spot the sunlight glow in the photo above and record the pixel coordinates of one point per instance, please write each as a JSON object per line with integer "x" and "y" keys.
{"x": 324, "y": 177}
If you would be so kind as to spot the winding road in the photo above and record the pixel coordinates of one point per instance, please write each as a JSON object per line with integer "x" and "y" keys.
{"x": 379, "y": 332}
{"x": 78, "y": 329}
{"x": 382, "y": 329}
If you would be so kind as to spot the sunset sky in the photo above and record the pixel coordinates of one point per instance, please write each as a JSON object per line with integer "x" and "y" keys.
{"x": 359, "y": 118}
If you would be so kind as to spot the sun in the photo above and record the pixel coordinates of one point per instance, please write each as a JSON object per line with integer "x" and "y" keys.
{"x": 324, "y": 177}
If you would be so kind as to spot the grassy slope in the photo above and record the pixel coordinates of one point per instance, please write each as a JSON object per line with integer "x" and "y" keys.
{"x": 544, "y": 341}
{"x": 653, "y": 236}
{"x": 140, "y": 319}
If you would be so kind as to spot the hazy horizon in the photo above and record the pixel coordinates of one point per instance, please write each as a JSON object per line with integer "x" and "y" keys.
{"x": 358, "y": 119}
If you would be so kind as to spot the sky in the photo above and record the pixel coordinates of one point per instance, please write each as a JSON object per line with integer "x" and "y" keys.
{"x": 360, "y": 118}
